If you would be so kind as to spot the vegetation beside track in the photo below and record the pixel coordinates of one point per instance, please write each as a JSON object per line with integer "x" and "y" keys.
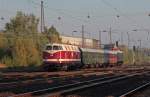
{"x": 136, "y": 57}
{"x": 21, "y": 44}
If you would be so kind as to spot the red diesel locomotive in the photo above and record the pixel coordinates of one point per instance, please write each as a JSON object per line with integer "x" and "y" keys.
{"x": 61, "y": 56}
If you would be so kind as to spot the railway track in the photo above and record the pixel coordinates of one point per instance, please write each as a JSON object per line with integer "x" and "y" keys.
{"x": 40, "y": 77}
{"x": 38, "y": 83}
{"x": 118, "y": 88}
{"x": 70, "y": 88}
{"x": 17, "y": 77}
{"x": 32, "y": 85}
{"x": 134, "y": 91}
{"x": 15, "y": 80}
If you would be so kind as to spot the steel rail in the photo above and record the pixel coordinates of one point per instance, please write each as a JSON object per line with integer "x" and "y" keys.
{"x": 135, "y": 90}
{"x": 61, "y": 90}
{"x": 66, "y": 89}
{"x": 40, "y": 79}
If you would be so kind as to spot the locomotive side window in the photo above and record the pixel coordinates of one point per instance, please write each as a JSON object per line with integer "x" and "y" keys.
{"x": 60, "y": 48}
{"x": 49, "y": 48}
{"x": 55, "y": 47}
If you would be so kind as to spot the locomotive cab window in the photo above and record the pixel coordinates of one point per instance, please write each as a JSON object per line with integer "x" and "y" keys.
{"x": 57, "y": 47}
{"x": 49, "y": 48}
{"x": 60, "y": 48}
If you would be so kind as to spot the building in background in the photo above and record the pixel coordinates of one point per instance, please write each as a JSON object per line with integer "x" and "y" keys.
{"x": 89, "y": 43}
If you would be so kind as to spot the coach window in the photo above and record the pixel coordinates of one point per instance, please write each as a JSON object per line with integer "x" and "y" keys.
{"x": 49, "y": 48}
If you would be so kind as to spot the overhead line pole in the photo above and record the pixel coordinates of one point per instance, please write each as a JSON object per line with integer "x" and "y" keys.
{"x": 42, "y": 17}
{"x": 100, "y": 39}
{"x": 121, "y": 38}
{"x": 128, "y": 39}
{"x": 83, "y": 36}
{"x": 110, "y": 36}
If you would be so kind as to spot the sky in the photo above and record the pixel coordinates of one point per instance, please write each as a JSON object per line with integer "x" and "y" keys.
{"x": 122, "y": 16}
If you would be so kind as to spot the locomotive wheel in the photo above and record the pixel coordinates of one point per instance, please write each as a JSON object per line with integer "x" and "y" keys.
{"x": 65, "y": 68}
{"x": 111, "y": 65}
{"x": 100, "y": 65}
{"x": 97, "y": 65}
{"x": 52, "y": 69}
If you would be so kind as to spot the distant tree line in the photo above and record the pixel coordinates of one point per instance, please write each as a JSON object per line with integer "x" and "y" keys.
{"x": 21, "y": 44}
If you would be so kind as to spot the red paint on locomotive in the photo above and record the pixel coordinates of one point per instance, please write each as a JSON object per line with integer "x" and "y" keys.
{"x": 68, "y": 54}
{"x": 113, "y": 56}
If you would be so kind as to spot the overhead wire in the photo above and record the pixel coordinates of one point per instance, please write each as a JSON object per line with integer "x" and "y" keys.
{"x": 59, "y": 11}
{"x": 122, "y": 14}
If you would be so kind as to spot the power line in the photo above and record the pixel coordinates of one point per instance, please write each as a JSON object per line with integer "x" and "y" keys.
{"x": 121, "y": 13}
{"x": 59, "y": 11}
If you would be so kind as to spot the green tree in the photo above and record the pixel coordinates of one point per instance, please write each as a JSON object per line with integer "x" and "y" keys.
{"x": 23, "y": 38}
{"x": 3, "y": 40}
{"x": 22, "y": 24}
{"x": 3, "y": 45}
{"x": 22, "y": 44}
{"x": 52, "y": 35}
{"x": 20, "y": 53}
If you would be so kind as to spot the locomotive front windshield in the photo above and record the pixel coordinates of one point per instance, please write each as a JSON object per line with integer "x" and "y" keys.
{"x": 54, "y": 47}
{"x": 49, "y": 48}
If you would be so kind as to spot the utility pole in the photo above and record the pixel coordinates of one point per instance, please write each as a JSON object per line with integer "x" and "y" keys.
{"x": 148, "y": 35}
{"x": 100, "y": 42}
{"x": 140, "y": 43}
{"x": 42, "y": 17}
{"x": 128, "y": 38}
{"x": 128, "y": 46}
{"x": 140, "y": 50}
{"x": 133, "y": 53}
{"x": 121, "y": 38}
{"x": 110, "y": 36}
{"x": 83, "y": 36}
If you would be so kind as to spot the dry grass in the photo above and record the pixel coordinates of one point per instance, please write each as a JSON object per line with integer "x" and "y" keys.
{"x": 3, "y": 66}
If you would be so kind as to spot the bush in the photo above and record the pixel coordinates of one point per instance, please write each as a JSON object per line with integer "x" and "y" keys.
{"x": 8, "y": 61}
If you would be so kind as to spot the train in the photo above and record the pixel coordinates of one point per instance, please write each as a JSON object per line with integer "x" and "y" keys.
{"x": 67, "y": 57}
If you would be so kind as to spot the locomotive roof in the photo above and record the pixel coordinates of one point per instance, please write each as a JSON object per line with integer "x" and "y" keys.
{"x": 119, "y": 51}
{"x": 65, "y": 47}
{"x": 49, "y": 44}
{"x": 58, "y": 44}
{"x": 92, "y": 50}
{"x": 110, "y": 51}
